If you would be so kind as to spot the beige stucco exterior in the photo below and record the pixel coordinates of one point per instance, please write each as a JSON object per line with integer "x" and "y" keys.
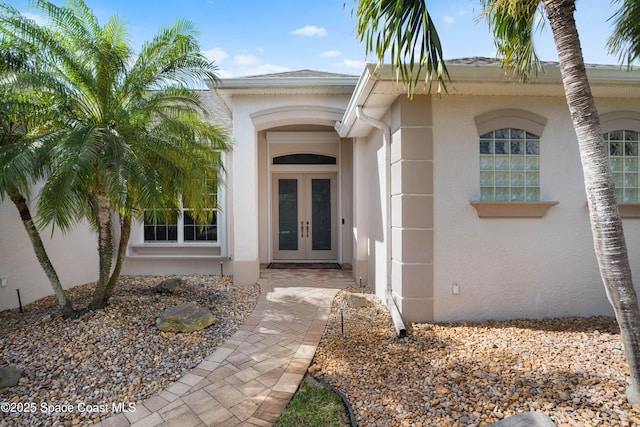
{"x": 74, "y": 256}
{"x": 409, "y": 219}
{"x": 455, "y": 258}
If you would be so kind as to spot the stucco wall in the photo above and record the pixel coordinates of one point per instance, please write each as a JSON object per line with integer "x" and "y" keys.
{"x": 373, "y": 162}
{"x": 361, "y": 210}
{"x": 74, "y": 256}
{"x": 515, "y": 267}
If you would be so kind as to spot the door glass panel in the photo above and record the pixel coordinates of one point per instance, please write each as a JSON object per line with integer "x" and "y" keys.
{"x": 288, "y": 214}
{"x": 321, "y": 214}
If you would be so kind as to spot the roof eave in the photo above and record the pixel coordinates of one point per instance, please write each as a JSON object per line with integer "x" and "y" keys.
{"x": 374, "y": 104}
{"x": 363, "y": 89}
{"x": 242, "y": 85}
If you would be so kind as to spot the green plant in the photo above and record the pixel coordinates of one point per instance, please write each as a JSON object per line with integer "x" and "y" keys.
{"x": 314, "y": 405}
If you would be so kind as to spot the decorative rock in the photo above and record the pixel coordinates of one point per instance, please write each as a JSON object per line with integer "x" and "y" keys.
{"x": 187, "y": 317}
{"x": 358, "y": 300}
{"x": 9, "y": 376}
{"x": 314, "y": 369}
{"x": 173, "y": 286}
{"x": 527, "y": 419}
{"x": 123, "y": 360}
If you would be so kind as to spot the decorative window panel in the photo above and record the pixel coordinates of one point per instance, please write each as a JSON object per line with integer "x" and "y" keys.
{"x": 623, "y": 153}
{"x": 509, "y": 166}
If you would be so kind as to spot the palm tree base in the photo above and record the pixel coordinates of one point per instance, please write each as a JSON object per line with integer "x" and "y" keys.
{"x": 97, "y": 305}
{"x": 69, "y": 313}
{"x": 632, "y": 394}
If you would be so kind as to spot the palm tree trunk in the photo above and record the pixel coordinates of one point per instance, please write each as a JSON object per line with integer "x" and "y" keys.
{"x": 125, "y": 233}
{"x": 41, "y": 254}
{"x": 105, "y": 250}
{"x": 606, "y": 224}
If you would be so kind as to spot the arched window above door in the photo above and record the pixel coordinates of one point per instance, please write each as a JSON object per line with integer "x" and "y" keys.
{"x": 304, "y": 159}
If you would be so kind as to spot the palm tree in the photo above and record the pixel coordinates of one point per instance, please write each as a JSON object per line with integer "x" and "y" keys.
{"x": 134, "y": 136}
{"x": 26, "y": 124}
{"x": 405, "y": 29}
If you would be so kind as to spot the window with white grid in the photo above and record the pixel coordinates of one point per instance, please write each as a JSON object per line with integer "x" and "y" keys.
{"x": 181, "y": 229}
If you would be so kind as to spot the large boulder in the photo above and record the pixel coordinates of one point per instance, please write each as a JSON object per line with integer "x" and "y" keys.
{"x": 187, "y": 317}
{"x": 9, "y": 376}
{"x": 526, "y": 419}
{"x": 173, "y": 286}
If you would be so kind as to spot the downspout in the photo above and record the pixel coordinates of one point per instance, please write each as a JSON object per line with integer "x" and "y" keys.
{"x": 386, "y": 138}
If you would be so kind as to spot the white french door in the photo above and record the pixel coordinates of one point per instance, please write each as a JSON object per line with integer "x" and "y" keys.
{"x": 304, "y": 216}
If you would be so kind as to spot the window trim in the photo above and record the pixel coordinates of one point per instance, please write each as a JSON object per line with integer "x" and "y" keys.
{"x": 515, "y": 119}
{"x": 511, "y": 209}
{"x": 622, "y": 120}
{"x": 511, "y": 118}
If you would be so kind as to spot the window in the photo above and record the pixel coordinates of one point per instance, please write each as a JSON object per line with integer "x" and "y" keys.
{"x": 182, "y": 229}
{"x": 304, "y": 159}
{"x": 509, "y": 166}
{"x": 179, "y": 235}
{"x": 160, "y": 230}
{"x": 623, "y": 154}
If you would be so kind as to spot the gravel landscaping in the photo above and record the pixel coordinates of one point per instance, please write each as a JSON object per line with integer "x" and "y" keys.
{"x": 474, "y": 374}
{"x": 465, "y": 374}
{"x": 113, "y": 356}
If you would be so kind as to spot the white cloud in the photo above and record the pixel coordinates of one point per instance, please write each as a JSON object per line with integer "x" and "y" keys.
{"x": 245, "y": 60}
{"x": 216, "y": 54}
{"x": 225, "y": 74}
{"x": 330, "y": 54}
{"x": 449, "y": 19}
{"x": 351, "y": 63}
{"x": 310, "y": 31}
{"x": 259, "y": 49}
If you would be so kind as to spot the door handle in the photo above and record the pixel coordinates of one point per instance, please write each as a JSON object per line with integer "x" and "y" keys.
{"x": 307, "y": 228}
{"x": 301, "y": 228}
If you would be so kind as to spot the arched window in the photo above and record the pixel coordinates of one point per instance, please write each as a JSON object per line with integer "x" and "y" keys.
{"x": 621, "y": 132}
{"x": 509, "y": 166}
{"x": 622, "y": 146}
{"x": 304, "y": 159}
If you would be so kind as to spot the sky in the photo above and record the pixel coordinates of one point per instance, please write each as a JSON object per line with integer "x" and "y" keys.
{"x": 254, "y": 37}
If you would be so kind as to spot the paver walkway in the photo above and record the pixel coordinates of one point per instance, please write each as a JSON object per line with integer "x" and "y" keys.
{"x": 249, "y": 380}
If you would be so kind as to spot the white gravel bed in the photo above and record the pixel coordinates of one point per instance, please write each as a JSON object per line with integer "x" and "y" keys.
{"x": 474, "y": 374}
{"x": 84, "y": 366}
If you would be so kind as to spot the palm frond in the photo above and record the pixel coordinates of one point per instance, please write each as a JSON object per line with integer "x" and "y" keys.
{"x": 513, "y": 23}
{"x": 404, "y": 31}
{"x": 625, "y": 39}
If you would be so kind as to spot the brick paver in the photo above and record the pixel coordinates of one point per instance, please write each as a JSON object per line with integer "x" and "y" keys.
{"x": 249, "y": 380}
